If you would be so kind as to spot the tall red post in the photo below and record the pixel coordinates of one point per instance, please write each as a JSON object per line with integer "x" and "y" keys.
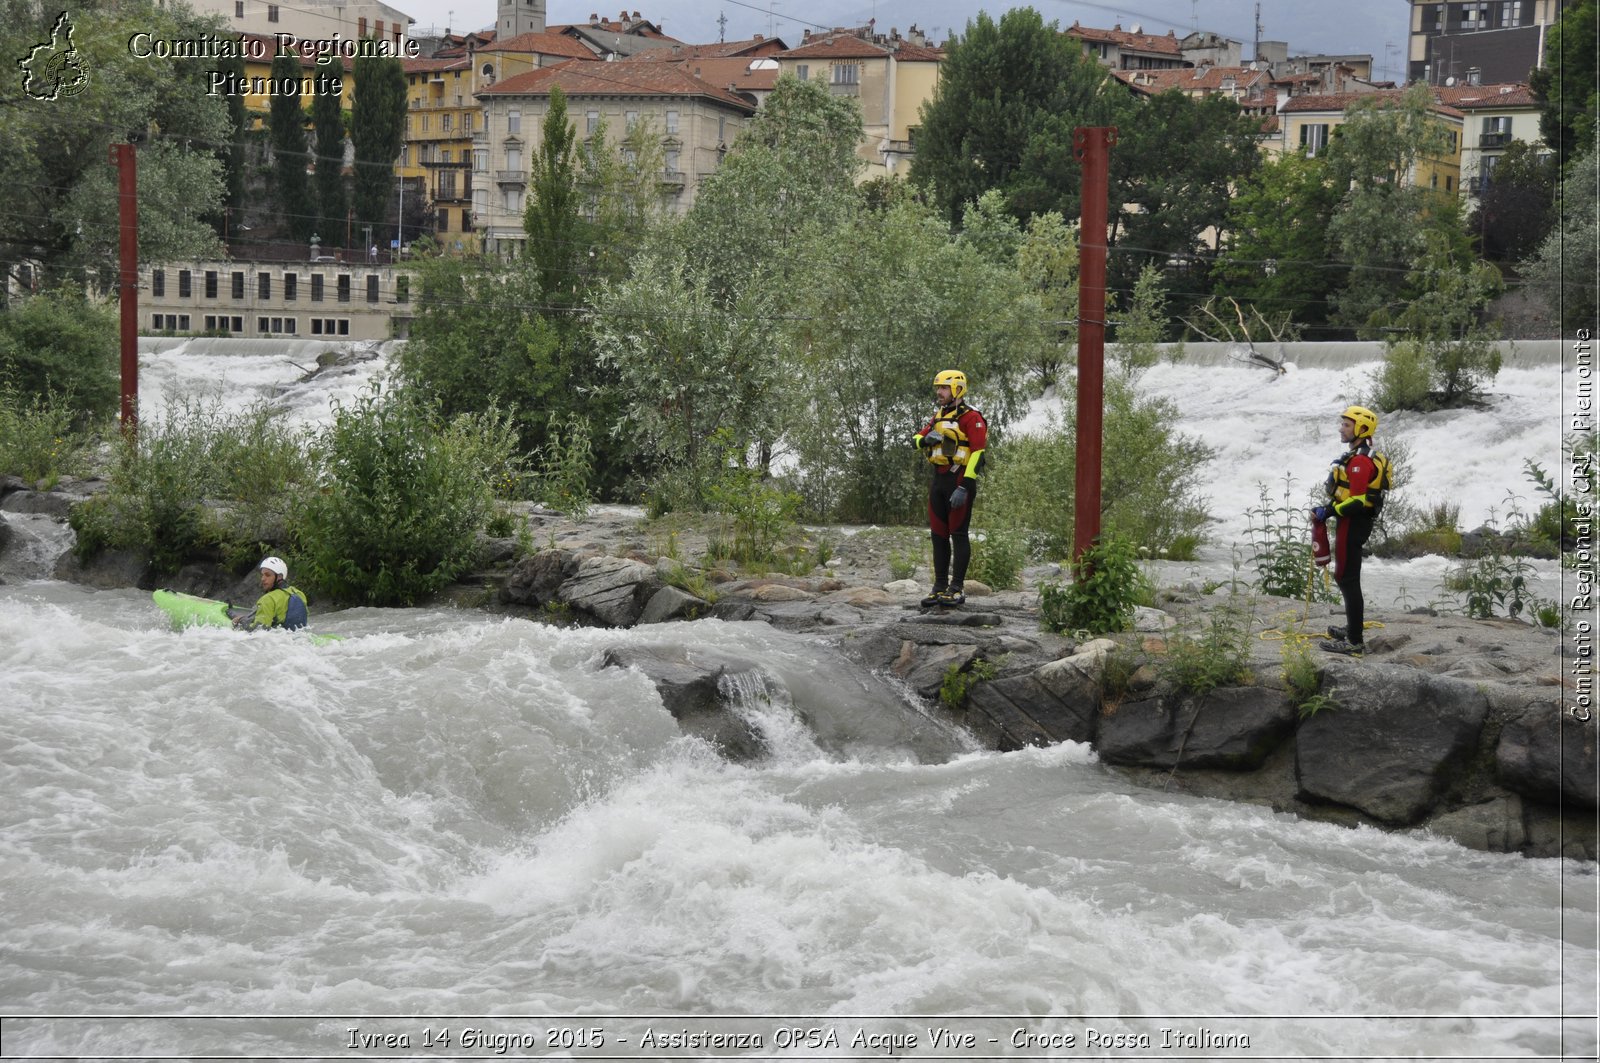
{"x": 122, "y": 156}
{"x": 1091, "y": 145}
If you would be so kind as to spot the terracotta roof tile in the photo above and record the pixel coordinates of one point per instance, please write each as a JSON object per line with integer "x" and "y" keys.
{"x": 1487, "y": 97}
{"x": 722, "y": 49}
{"x": 838, "y": 46}
{"x": 1317, "y": 103}
{"x": 1193, "y": 79}
{"x": 734, "y": 71}
{"x": 1144, "y": 42}
{"x": 614, "y": 79}
{"x": 542, "y": 44}
{"x": 425, "y": 66}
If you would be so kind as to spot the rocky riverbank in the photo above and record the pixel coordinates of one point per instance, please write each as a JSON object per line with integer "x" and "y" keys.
{"x": 1448, "y": 724}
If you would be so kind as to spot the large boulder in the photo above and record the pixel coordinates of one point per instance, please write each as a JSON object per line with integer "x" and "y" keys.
{"x": 924, "y": 667}
{"x": 1059, "y": 701}
{"x": 535, "y": 580}
{"x": 694, "y": 688}
{"x": 1233, "y": 728}
{"x": 1548, "y": 755}
{"x": 1391, "y": 743}
{"x": 613, "y": 590}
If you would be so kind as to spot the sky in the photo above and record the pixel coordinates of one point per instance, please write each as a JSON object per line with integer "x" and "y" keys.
{"x": 1367, "y": 27}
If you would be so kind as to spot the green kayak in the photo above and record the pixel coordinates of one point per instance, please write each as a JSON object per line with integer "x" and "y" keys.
{"x": 189, "y": 610}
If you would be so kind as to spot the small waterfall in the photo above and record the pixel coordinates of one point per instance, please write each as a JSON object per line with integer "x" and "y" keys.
{"x": 32, "y": 545}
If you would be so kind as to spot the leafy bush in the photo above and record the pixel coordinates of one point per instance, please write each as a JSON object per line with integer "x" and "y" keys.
{"x": 1107, "y": 586}
{"x": 402, "y": 495}
{"x": 957, "y": 683}
{"x": 37, "y": 440}
{"x": 1304, "y": 679}
{"x": 1405, "y": 379}
{"x": 1218, "y": 656}
{"x": 564, "y": 467}
{"x": 1496, "y": 580}
{"x": 998, "y": 555}
{"x": 62, "y": 346}
{"x": 761, "y": 515}
{"x": 193, "y": 481}
{"x": 1280, "y": 548}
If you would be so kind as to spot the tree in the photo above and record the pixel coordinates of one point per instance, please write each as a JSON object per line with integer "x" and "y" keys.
{"x": 1047, "y": 263}
{"x": 1385, "y": 218}
{"x": 1443, "y": 340}
{"x": 1516, "y": 206}
{"x": 232, "y": 153}
{"x": 61, "y": 190}
{"x": 1562, "y": 272}
{"x": 327, "y": 118}
{"x": 1275, "y": 253}
{"x": 1162, "y": 200}
{"x": 287, "y": 120}
{"x": 59, "y": 346}
{"x": 551, "y": 217}
{"x": 1002, "y": 117}
{"x": 377, "y": 124}
{"x": 1566, "y": 83}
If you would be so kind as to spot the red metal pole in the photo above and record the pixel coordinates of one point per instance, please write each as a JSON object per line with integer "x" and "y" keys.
{"x": 1092, "y": 147}
{"x": 122, "y": 156}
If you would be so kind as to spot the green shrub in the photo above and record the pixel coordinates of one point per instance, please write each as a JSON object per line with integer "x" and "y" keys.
{"x": 1101, "y": 598}
{"x": 761, "y": 515}
{"x": 1304, "y": 679}
{"x": 402, "y": 496}
{"x": 1218, "y": 656}
{"x": 957, "y": 683}
{"x": 195, "y": 481}
{"x": 62, "y": 344}
{"x": 37, "y": 440}
{"x": 565, "y": 465}
{"x": 1280, "y": 548}
{"x": 1405, "y": 380}
{"x": 998, "y": 555}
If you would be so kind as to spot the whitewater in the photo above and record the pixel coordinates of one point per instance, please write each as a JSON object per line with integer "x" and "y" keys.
{"x": 453, "y": 836}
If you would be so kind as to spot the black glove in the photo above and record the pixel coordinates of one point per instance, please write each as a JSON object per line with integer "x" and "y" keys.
{"x": 924, "y": 443}
{"x": 1320, "y": 513}
{"x": 958, "y": 497}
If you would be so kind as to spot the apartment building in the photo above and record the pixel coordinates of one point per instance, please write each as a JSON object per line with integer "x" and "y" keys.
{"x": 1495, "y": 41}
{"x": 697, "y": 120}
{"x": 1496, "y": 116}
{"x": 351, "y": 20}
{"x": 889, "y": 75}
{"x": 303, "y": 300}
{"x": 1308, "y": 123}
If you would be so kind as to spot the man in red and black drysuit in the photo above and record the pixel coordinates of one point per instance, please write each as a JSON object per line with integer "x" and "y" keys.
{"x": 953, "y": 441}
{"x": 1356, "y": 485}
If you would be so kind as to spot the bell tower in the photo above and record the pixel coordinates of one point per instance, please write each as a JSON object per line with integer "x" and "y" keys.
{"x": 517, "y": 17}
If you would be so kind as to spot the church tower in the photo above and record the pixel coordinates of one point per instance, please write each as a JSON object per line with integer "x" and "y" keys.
{"x": 517, "y": 17}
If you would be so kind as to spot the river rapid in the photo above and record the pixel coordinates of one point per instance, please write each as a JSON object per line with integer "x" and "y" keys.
{"x": 453, "y": 836}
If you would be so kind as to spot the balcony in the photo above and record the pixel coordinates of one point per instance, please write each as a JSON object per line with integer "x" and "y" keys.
{"x": 511, "y": 177}
{"x": 673, "y": 180}
{"x": 1494, "y": 140}
{"x": 844, "y": 88}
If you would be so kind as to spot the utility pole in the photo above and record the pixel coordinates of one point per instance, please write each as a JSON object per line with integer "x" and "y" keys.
{"x": 1091, "y": 145}
{"x": 123, "y": 158}
{"x": 1257, "y": 55}
{"x": 722, "y": 28}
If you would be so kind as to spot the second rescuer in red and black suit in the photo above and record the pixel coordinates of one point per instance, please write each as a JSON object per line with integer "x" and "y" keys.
{"x": 953, "y": 441}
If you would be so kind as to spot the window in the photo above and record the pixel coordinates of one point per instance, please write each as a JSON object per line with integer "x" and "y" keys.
{"x": 361, "y": 27}
{"x": 185, "y": 284}
{"x": 466, "y": 221}
{"x": 513, "y": 121}
{"x": 264, "y": 285}
{"x": 277, "y": 324}
{"x": 158, "y": 322}
{"x": 466, "y": 122}
{"x": 846, "y": 73}
{"x": 514, "y": 160}
{"x": 672, "y": 123}
{"x": 1314, "y": 137}
{"x": 377, "y": 30}
{"x": 238, "y": 324}
{"x": 803, "y": 72}
{"x": 290, "y": 282}
{"x": 238, "y": 8}
{"x": 211, "y": 284}
{"x": 344, "y": 326}
{"x": 290, "y": 325}
{"x": 263, "y": 325}
{"x": 211, "y": 322}
{"x": 1474, "y": 16}
{"x": 344, "y": 287}
{"x": 722, "y": 129}
{"x": 402, "y": 288}
{"x": 629, "y": 120}
{"x": 1449, "y": 184}
{"x": 441, "y": 221}
{"x": 444, "y": 123}
{"x": 236, "y": 288}
{"x": 272, "y": 12}
{"x": 1511, "y": 13}
{"x": 591, "y": 120}
{"x": 671, "y": 157}
{"x": 158, "y": 282}
{"x": 316, "y": 326}
{"x": 480, "y": 160}
{"x": 424, "y": 123}
{"x": 316, "y": 287}
{"x": 183, "y": 322}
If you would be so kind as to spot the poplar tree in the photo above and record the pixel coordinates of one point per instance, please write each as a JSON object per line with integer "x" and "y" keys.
{"x": 287, "y": 122}
{"x": 327, "y": 118}
{"x": 377, "y": 125}
{"x": 551, "y": 216}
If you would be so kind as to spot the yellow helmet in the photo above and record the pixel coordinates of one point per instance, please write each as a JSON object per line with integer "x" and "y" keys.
{"x": 956, "y": 379}
{"x": 1365, "y": 420}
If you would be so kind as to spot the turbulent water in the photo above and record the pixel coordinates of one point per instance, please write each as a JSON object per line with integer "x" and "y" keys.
{"x": 450, "y": 835}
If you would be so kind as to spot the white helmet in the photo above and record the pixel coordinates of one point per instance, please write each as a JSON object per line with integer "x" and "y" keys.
{"x": 275, "y": 566}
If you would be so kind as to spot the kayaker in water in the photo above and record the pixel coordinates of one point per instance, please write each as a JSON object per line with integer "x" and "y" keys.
{"x": 280, "y": 605}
